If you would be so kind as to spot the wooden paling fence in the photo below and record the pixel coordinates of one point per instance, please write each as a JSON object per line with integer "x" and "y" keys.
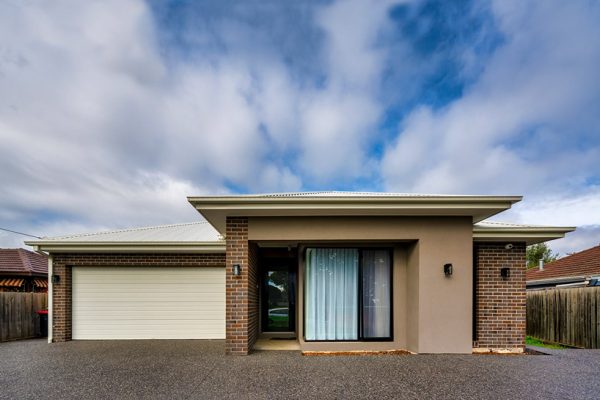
{"x": 18, "y": 318}
{"x": 568, "y": 316}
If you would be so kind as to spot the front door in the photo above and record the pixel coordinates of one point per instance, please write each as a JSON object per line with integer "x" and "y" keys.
{"x": 278, "y": 296}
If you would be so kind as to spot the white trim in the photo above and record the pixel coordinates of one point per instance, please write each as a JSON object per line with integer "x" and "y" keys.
{"x": 69, "y": 246}
{"x": 50, "y": 295}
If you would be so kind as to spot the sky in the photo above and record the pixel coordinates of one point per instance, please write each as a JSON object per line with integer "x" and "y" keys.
{"x": 113, "y": 111}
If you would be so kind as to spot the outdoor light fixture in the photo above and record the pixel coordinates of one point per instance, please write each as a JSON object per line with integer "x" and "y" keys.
{"x": 55, "y": 278}
{"x": 505, "y": 272}
{"x": 237, "y": 269}
{"x": 447, "y": 269}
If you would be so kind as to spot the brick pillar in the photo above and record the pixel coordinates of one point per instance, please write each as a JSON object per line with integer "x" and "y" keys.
{"x": 61, "y": 301}
{"x": 500, "y": 302}
{"x": 242, "y": 291}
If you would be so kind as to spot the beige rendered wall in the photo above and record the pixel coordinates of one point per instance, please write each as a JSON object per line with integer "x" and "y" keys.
{"x": 432, "y": 312}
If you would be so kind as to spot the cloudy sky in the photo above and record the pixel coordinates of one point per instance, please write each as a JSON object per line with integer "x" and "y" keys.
{"x": 111, "y": 112}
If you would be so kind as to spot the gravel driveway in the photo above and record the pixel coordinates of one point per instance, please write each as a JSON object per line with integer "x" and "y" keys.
{"x": 199, "y": 369}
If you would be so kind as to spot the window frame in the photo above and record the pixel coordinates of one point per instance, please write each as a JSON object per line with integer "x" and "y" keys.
{"x": 359, "y": 327}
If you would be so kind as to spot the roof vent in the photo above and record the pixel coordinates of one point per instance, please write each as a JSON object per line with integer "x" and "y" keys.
{"x": 541, "y": 265}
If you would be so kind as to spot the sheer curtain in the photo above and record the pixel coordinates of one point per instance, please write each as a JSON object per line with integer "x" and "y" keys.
{"x": 376, "y": 281}
{"x": 331, "y": 303}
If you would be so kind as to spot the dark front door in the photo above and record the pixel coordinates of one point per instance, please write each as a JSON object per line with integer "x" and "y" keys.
{"x": 278, "y": 296}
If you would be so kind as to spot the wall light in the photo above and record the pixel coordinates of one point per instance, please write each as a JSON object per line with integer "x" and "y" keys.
{"x": 237, "y": 270}
{"x": 55, "y": 278}
{"x": 505, "y": 272}
{"x": 447, "y": 269}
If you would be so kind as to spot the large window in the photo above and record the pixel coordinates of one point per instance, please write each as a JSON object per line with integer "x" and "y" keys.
{"x": 347, "y": 294}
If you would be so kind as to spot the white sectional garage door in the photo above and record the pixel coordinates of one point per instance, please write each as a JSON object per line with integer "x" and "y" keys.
{"x": 148, "y": 303}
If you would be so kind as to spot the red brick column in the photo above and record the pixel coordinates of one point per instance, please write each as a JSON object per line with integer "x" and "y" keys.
{"x": 61, "y": 301}
{"x": 500, "y": 302}
{"x": 242, "y": 290}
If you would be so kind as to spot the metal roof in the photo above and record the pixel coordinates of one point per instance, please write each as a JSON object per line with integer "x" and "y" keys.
{"x": 500, "y": 225}
{"x": 200, "y": 231}
{"x": 506, "y": 231}
{"x": 333, "y": 193}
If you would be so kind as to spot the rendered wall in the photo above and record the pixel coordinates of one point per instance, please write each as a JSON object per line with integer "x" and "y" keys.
{"x": 435, "y": 311}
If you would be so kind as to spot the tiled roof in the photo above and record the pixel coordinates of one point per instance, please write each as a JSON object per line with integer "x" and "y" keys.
{"x": 22, "y": 261}
{"x": 200, "y": 231}
{"x": 584, "y": 263}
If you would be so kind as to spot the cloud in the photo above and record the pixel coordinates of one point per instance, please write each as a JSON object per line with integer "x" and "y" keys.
{"x": 580, "y": 211}
{"x": 527, "y": 125}
{"x": 110, "y": 122}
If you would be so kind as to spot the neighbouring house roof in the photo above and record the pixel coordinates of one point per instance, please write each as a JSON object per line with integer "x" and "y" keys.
{"x": 584, "y": 264}
{"x": 22, "y": 262}
{"x": 217, "y": 208}
{"x": 205, "y": 236}
{"x": 188, "y": 237}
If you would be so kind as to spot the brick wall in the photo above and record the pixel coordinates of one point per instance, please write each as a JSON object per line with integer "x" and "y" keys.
{"x": 62, "y": 264}
{"x": 242, "y": 291}
{"x": 500, "y": 302}
{"x": 253, "y": 282}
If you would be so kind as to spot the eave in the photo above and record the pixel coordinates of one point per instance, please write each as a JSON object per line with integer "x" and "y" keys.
{"x": 215, "y": 209}
{"x": 557, "y": 280}
{"x": 529, "y": 235}
{"x": 52, "y": 246}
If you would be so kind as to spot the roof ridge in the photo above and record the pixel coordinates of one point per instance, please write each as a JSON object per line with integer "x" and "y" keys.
{"x": 25, "y": 259}
{"x": 350, "y": 192}
{"x": 143, "y": 228}
{"x": 573, "y": 255}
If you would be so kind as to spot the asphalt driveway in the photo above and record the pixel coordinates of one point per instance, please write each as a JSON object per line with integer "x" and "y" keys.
{"x": 199, "y": 369}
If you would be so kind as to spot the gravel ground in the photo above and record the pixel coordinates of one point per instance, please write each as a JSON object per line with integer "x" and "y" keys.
{"x": 199, "y": 369}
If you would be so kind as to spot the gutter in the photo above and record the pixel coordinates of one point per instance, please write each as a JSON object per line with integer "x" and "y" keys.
{"x": 55, "y": 246}
{"x": 560, "y": 280}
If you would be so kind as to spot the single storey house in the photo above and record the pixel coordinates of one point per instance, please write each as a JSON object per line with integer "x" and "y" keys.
{"x": 23, "y": 271}
{"x": 334, "y": 271}
{"x": 576, "y": 270}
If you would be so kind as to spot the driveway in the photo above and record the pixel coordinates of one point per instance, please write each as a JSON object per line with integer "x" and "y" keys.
{"x": 199, "y": 369}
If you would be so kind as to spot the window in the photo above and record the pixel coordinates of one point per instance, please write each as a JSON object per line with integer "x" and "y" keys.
{"x": 347, "y": 294}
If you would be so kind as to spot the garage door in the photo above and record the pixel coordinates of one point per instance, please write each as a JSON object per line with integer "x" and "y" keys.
{"x": 148, "y": 303}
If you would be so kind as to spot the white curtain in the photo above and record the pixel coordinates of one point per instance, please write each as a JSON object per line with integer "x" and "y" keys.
{"x": 331, "y": 296}
{"x": 376, "y": 293}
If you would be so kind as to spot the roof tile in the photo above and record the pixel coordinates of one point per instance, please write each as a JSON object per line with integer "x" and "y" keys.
{"x": 584, "y": 263}
{"x": 22, "y": 261}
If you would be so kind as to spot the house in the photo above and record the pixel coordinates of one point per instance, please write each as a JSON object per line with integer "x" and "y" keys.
{"x": 333, "y": 271}
{"x": 23, "y": 271}
{"x": 576, "y": 270}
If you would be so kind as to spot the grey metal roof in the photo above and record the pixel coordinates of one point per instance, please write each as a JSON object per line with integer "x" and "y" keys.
{"x": 329, "y": 193}
{"x": 205, "y": 234}
{"x": 499, "y": 225}
{"x": 200, "y": 231}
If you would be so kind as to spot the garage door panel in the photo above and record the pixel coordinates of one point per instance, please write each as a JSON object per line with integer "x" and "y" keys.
{"x": 152, "y": 314}
{"x": 148, "y": 303}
